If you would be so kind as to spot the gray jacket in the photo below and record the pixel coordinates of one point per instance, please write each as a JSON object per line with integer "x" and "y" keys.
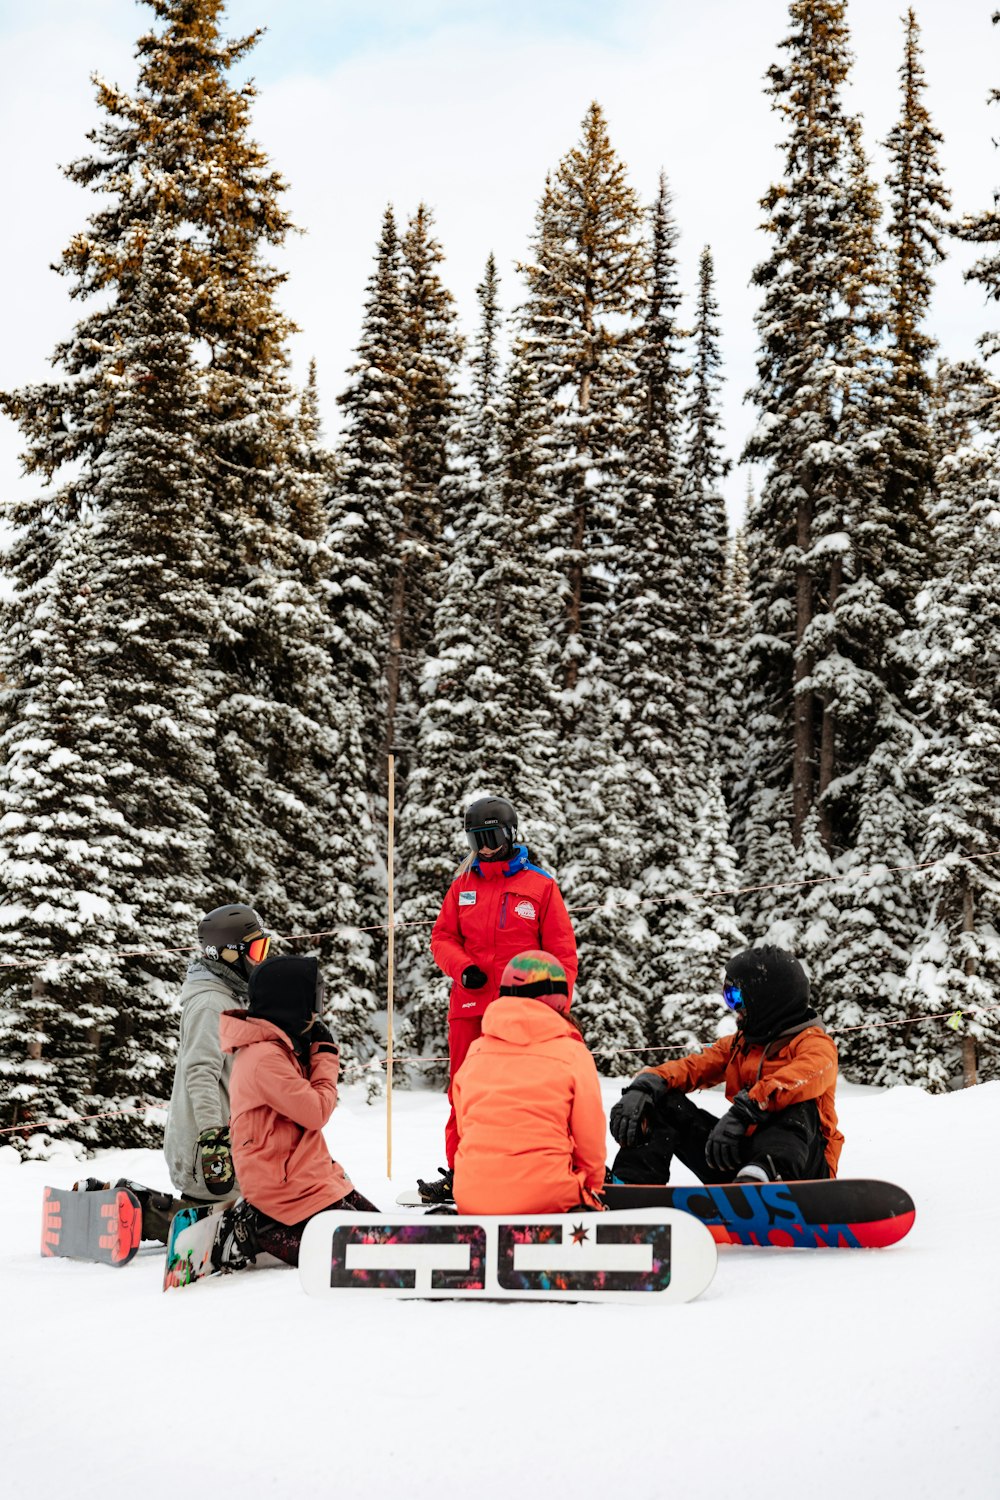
{"x": 199, "y": 1099}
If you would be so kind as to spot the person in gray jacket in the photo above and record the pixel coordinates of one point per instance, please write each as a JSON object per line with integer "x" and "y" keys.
{"x": 196, "y": 1143}
{"x": 232, "y": 942}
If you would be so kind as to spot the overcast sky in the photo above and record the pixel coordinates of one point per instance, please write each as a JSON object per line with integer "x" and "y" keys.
{"x": 467, "y": 104}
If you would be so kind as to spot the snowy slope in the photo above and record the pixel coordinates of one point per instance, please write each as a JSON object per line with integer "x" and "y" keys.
{"x": 799, "y": 1373}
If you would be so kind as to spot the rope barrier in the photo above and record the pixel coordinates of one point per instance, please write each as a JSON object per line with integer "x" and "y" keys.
{"x": 377, "y": 1064}
{"x": 744, "y": 890}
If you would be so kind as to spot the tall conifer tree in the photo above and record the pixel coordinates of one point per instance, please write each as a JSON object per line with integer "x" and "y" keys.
{"x": 585, "y": 292}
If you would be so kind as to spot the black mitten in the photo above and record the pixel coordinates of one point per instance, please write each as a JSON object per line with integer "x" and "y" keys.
{"x": 638, "y": 1100}
{"x": 217, "y": 1161}
{"x": 320, "y": 1035}
{"x": 473, "y": 978}
{"x": 723, "y": 1147}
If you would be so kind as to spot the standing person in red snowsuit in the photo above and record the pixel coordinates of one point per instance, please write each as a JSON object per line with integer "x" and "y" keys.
{"x": 498, "y": 905}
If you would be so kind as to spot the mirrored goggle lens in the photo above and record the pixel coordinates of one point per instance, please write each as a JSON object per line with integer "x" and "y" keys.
{"x": 733, "y": 996}
{"x": 257, "y": 949}
{"x": 486, "y": 838}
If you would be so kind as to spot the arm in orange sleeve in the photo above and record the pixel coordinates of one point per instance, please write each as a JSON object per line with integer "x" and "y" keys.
{"x": 557, "y": 935}
{"x": 308, "y": 1101}
{"x": 447, "y": 947}
{"x": 587, "y": 1124}
{"x": 807, "y": 1073}
{"x": 700, "y": 1070}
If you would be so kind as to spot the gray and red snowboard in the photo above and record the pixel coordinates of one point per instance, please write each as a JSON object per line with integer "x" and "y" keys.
{"x": 105, "y": 1227}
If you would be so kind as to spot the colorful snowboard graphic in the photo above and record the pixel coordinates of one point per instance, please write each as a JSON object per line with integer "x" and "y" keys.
{"x": 105, "y": 1227}
{"x": 189, "y": 1247}
{"x": 842, "y": 1214}
{"x": 642, "y": 1256}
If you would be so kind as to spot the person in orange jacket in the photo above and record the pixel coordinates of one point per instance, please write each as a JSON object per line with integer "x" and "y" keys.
{"x": 282, "y": 1091}
{"x": 498, "y": 905}
{"x": 780, "y": 1072}
{"x": 531, "y": 1127}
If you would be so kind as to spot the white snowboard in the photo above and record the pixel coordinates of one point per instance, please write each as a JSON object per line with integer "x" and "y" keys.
{"x": 643, "y": 1255}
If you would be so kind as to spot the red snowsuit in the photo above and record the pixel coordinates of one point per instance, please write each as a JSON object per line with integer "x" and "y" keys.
{"x": 490, "y": 914}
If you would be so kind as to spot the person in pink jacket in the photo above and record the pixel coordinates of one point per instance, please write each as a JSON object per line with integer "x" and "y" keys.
{"x": 282, "y": 1092}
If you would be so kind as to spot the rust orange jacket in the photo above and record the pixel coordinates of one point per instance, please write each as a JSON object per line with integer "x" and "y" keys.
{"x": 531, "y": 1125}
{"x": 491, "y": 914}
{"x": 277, "y": 1112}
{"x": 786, "y": 1071}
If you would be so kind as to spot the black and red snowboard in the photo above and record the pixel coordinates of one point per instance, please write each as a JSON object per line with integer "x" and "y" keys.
{"x": 825, "y": 1213}
{"x": 105, "y": 1227}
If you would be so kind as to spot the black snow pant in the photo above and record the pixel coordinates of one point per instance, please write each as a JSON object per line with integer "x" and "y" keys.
{"x": 790, "y": 1146}
{"x": 283, "y": 1240}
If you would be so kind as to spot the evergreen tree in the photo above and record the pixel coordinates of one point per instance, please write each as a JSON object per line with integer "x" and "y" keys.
{"x": 487, "y": 717}
{"x": 364, "y": 516}
{"x": 705, "y": 466}
{"x": 119, "y": 735}
{"x": 586, "y": 286}
{"x": 178, "y": 176}
{"x": 956, "y": 963}
{"x": 431, "y": 350}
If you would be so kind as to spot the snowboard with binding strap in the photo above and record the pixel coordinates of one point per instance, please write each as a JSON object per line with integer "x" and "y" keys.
{"x": 827, "y": 1213}
{"x": 191, "y": 1242}
{"x": 649, "y": 1255}
{"x": 104, "y": 1227}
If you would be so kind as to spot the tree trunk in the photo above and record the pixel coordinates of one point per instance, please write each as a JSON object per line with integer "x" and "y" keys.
{"x": 969, "y": 1042}
{"x": 828, "y": 734}
{"x": 575, "y": 607}
{"x": 802, "y": 762}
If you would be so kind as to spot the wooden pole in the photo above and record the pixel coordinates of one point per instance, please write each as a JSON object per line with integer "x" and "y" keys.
{"x": 390, "y": 972}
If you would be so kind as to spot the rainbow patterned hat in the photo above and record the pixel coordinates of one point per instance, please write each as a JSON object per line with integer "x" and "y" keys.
{"x": 536, "y": 975}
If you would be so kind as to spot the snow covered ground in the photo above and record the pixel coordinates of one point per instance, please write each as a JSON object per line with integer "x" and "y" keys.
{"x": 798, "y": 1373}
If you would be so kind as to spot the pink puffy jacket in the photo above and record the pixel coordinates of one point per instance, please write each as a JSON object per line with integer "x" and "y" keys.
{"x": 277, "y": 1112}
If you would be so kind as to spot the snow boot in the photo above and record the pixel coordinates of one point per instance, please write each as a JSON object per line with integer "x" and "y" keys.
{"x": 442, "y": 1191}
{"x": 236, "y": 1244}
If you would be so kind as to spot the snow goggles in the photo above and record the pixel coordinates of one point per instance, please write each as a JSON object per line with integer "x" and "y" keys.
{"x": 733, "y": 996}
{"x": 495, "y": 837}
{"x": 256, "y": 949}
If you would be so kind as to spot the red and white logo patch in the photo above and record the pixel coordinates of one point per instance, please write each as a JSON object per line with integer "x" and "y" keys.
{"x": 526, "y": 910}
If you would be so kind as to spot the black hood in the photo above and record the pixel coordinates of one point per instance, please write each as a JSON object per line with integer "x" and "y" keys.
{"x": 286, "y": 991}
{"x": 775, "y": 992}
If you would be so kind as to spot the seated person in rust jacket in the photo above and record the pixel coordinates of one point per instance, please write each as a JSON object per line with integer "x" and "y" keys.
{"x": 780, "y": 1072}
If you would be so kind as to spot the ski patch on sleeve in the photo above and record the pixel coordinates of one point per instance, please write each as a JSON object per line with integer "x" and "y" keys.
{"x": 467, "y": 898}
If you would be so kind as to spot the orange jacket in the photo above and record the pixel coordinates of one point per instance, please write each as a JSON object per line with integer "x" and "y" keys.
{"x": 786, "y": 1071}
{"x": 531, "y": 1125}
{"x": 277, "y": 1113}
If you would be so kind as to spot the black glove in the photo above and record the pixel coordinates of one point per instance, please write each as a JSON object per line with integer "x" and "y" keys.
{"x": 638, "y": 1100}
{"x": 320, "y": 1033}
{"x": 722, "y": 1149}
{"x": 473, "y": 978}
{"x": 217, "y": 1161}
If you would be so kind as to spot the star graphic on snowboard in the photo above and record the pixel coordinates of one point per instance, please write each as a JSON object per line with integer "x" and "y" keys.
{"x": 580, "y": 1234}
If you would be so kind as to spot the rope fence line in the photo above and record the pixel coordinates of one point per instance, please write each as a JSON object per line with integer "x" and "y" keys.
{"x": 744, "y": 890}
{"x": 377, "y": 1065}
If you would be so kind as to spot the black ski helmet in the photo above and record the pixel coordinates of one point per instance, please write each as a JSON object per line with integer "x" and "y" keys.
{"x": 491, "y": 823}
{"x": 227, "y": 931}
